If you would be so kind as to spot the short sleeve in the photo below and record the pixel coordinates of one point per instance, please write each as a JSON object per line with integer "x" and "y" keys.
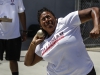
{"x": 21, "y": 7}
{"x": 73, "y": 18}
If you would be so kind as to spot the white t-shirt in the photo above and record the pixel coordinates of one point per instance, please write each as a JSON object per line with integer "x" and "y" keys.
{"x": 9, "y": 30}
{"x": 65, "y": 51}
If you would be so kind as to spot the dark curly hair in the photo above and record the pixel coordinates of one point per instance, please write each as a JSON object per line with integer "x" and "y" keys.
{"x": 41, "y": 11}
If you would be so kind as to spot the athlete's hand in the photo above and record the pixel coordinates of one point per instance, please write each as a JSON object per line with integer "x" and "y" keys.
{"x": 37, "y": 40}
{"x": 95, "y": 32}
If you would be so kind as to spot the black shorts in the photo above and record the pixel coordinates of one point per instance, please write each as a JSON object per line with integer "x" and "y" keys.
{"x": 92, "y": 72}
{"x": 11, "y": 47}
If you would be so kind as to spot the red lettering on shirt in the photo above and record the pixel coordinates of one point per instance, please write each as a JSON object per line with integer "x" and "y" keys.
{"x": 52, "y": 43}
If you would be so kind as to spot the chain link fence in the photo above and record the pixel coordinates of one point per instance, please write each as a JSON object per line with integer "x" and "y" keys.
{"x": 87, "y": 27}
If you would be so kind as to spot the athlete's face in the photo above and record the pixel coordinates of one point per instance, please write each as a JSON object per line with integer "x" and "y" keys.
{"x": 48, "y": 22}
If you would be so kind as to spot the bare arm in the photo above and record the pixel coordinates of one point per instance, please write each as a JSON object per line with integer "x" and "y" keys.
{"x": 91, "y": 13}
{"x": 22, "y": 18}
{"x": 31, "y": 58}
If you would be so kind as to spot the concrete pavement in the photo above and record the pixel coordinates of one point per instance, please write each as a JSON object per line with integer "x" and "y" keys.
{"x": 40, "y": 68}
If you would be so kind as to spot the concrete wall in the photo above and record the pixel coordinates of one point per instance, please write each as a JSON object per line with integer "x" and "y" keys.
{"x": 59, "y": 7}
